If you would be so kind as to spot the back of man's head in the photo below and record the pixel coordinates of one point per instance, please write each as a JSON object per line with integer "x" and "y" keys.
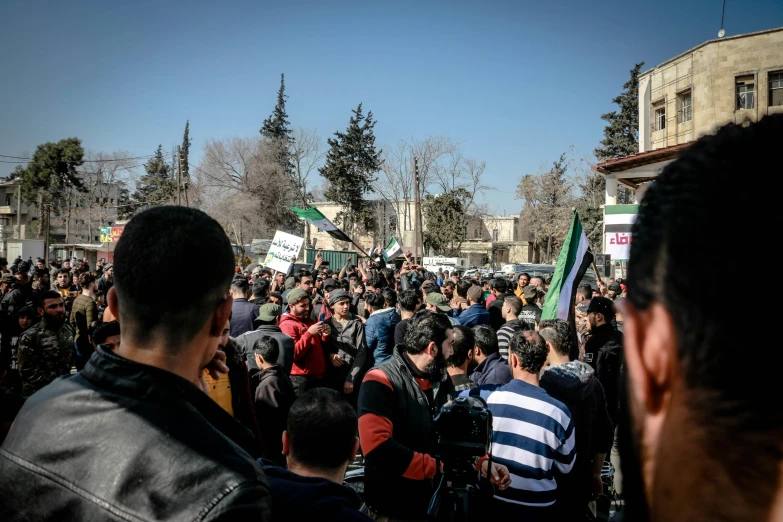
{"x": 424, "y": 327}
{"x": 389, "y": 297}
{"x": 322, "y": 428}
{"x": 409, "y": 299}
{"x": 585, "y": 290}
{"x": 514, "y": 305}
{"x": 531, "y": 350}
{"x": 677, "y": 339}
{"x": 374, "y": 300}
{"x": 260, "y": 288}
{"x": 500, "y": 285}
{"x": 143, "y": 314}
{"x": 464, "y": 341}
{"x": 558, "y": 334}
{"x": 486, "y": 339}
{"x": 463, "y": 287}
{"x": 268, "y": 348}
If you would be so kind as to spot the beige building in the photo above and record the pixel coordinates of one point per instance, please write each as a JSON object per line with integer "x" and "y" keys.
{"x": 735, "y": 79}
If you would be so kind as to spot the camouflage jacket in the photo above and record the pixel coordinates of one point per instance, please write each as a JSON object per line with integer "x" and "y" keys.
{"x": 44, "y": 354}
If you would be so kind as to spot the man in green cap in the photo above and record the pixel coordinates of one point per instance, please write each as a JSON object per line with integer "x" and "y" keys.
{"x": 267, "y": 323}
{"x": 439, "y": 303}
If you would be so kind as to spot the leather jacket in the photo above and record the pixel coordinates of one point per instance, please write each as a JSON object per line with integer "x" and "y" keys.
{"x": 125, "y": 441}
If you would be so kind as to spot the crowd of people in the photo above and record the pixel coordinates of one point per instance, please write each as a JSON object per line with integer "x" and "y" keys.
{"x": 247, "y": 394}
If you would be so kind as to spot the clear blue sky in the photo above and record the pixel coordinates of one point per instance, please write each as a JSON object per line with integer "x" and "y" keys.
{"x": 517, "y": 82}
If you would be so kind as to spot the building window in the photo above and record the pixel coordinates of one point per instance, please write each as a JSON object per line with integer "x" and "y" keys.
{"x": 745, "y": 89}
{"x": 659, "y": 120}
{"x": 686, "y": 106}
{"x": 776, "y": 88}
{"x": 495, "y": 235}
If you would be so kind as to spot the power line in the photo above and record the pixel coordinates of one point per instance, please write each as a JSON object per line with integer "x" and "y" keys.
{"x": 107, "y": 160}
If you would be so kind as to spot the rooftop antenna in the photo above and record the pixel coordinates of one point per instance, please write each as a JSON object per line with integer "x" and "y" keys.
{"x": 722, "y": 31}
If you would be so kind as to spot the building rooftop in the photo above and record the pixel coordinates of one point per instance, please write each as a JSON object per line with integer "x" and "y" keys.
{"x": 640, "y": 159}
{"x": 708, "y": 42}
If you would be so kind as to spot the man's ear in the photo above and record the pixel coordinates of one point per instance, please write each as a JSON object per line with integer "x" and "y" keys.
{"x": 259, "y": 360}
{"x": 287, "y": 443}
{"x": 432, "y": 349}
{"x": 650, "y": 346}
{"x": 112, "y": 302}
{"x": 513, "y": 360}
{"x": 220, "y": 316}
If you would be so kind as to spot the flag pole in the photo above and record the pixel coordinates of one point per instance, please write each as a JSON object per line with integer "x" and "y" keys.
{"x": 360, "y": 248}
{"x": 595, "y": 269}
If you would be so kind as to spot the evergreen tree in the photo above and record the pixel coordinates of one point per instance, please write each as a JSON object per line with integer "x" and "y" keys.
{"x": 276, "y": 129}
{"x": 445, "y": 221}
{"x": 185, "y": 149}
{"x": 51, "y": 175}
{"x": 621, "y": 135}
{"x": 158, "y": 186}
{"x": 350, "y": 168}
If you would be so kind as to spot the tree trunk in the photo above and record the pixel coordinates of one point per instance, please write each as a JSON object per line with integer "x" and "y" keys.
{"x": 40, "y": 217}
{"x": 549, "y": 249}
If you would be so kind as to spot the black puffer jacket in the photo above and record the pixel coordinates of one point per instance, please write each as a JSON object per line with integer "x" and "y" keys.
{"x": 126, "y": 441}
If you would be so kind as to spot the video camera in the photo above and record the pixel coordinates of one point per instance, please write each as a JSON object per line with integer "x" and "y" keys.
{"x": 463, "y": 430}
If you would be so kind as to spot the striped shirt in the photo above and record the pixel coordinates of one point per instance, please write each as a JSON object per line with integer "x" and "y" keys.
{"x": 533, "y": 435}
{"x": 506, "y": 332}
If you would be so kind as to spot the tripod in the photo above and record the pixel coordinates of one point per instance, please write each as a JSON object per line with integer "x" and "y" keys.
{"x": 459, "y": 497}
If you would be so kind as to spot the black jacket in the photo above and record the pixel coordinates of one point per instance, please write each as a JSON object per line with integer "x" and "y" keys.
{"x": 285, "y": 343}
{"x": 104, "y": 285}
{"x": 604, "y": 352}
{"x": 126, "y": 441}
{"x": 495, "y": 309}
{"x": 274, "y": 395}
{"x": 492, "y": 370}
{"x": 311, "y": 498}
{"x": 575, "y": 385}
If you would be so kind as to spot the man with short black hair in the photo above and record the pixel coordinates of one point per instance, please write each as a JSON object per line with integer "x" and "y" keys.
{"x": 614, "y": 290}
{"x": 475, "y": 313}
{"x": 274, "y": 394}
{"x": 574, "y": 384}
{"x": 499, "y": 290}
{"x": 319, "y": 442}
{"x": 512, "y": 306}
{"x": 83, "y": 313}
{"x": 447, "y": 289}
{"x": 106, "y": 282}
{"x": 461, "y": 358}
{"x": 243, "y": 312}
{"x": 46, "y": 349}
{"x": 379, "y": 327}
{"x": 162, "y": 425}
{"x": 409, "y": 302}
{"x": 491, "y": 368}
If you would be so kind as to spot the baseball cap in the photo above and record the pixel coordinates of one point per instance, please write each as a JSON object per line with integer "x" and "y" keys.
{"x": 529, "y": 292}
{"x": 601, "y": 305}
{"x": 269, "y": 311}
{"x": 615, "y": 287}
{"x": 8, "y": 279}
{"x": 475, "y": 294}
{"x": 108, "y": 266}
{"x": 439, "y": 301}
{"x": 296, "y": 295}
{"x": 331, "y": 282}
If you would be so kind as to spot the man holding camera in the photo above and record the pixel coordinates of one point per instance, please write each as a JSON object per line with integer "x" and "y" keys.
{"x": 397, "y": 403}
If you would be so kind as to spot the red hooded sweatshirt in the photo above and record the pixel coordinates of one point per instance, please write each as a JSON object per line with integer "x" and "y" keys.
{"x": 309, "y": 358}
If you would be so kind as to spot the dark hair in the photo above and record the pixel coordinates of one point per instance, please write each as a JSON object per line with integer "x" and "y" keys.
{"x": 430, "y": 287}
{"x": 142, "y": 312}
{"x": 448, "y": 284}
{"x": 375, "y": 300}
{"x": 322, "y": 427}
{"x": 390, "y": 296}
{"x": 86, "y": 279}
{"x": 344, "y": 285}
{"x": 409, "y": 299}
{"x": 424, "y": 327}
{"x": 680, "y": 220}
{"x": 558, "y": 333}
{"x": 260, "y": 288}
{"x": 523, "y": 274}
{"x": 464, "y": 341}
{"x": 98, "y": 294}
{"x": 105, "y": 330}
{"x": 63, "y": 271}
{"x": 240, "y": 284}
{"x": 514, "y": 303}
{"x": 463, "y": 287}
{"x": 585, "y": 291}
{"x": 43, "y": 296}
{"x": 501, "y": 285}
{"x": 486, "y": 339}
{"x": 376, "y": 282}
{"x": 268, "y": 348}
{"x": 3, "y": 261}
{"x": 531, "y": 350}
{"x": 302, "y": 273}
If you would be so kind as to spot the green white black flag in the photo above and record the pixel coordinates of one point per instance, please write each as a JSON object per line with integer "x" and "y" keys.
{"x": 314, "y": 217}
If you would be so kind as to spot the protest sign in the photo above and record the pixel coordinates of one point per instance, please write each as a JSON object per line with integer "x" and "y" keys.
{"x": 285, "y": 247}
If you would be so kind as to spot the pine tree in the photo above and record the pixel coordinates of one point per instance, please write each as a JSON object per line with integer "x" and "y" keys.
{"x": 158, "y": 186}
{"x": 185, "y": 149}
{"x": 350, "y": 168}
{"x": 277, "y": 130}
{"x": 621, "y": 135}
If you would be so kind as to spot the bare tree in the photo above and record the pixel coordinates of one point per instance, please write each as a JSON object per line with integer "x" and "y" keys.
{"x": 307, "y": 155}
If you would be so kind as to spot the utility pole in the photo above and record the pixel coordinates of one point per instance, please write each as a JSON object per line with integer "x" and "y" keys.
{"x": 46, "y": 234}
{"x": 419, "y": 241}
{"x": 179, "y": 176}
{"x": 19, "y": 212}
